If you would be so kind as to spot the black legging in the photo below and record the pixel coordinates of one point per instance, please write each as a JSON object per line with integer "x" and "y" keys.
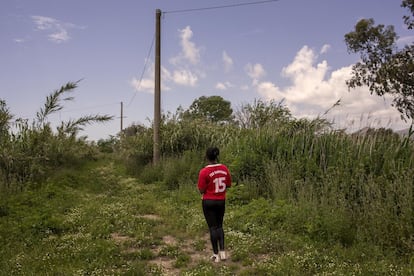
{"x": 214, "y": 213}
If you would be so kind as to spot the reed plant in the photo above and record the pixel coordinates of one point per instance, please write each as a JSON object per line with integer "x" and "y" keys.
{"x": 357, "y": 187}
{"x": 349, "y": 187}
{"x": 29, "y": 151}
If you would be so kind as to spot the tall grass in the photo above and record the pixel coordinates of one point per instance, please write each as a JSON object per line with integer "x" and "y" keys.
{"x": 29, "y": 152}
{"x": 366, "y": 179}
{"x": 300, "y": 176}
{"x": 350, "y": 188}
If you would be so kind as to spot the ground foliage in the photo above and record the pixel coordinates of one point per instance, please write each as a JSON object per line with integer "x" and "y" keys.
{"x": 96, "y": 220}
{"x": 306, "y": 199}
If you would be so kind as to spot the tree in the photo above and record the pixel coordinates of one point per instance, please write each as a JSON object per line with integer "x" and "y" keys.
{"x": 214, "y": 109}
{"x": 407, "y": 19}
{"x": 261, "y": 113}
{"x": 384, "y": 68}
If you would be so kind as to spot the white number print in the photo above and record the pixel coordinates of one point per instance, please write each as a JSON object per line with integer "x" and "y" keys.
{"x": 220, "y": 184}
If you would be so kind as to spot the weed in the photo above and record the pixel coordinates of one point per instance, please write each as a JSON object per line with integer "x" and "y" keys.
{"x": 182, "y": 260}
{"x": 199, "y": 244}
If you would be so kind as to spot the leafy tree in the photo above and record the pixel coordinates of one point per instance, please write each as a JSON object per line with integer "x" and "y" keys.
{"x": 134, "y": 129}
{"x": 213, "y": 109}
{"x": 260, "y": 114}
{"x": 407, "y": 19}
{"x": 384, "y": 68}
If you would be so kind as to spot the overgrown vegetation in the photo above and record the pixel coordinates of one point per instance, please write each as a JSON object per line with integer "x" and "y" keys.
{"x": 97, "y": 221}
{"x": 352, "y": 188}
{"x": 30, "y": 151}
{"x": 307, "y": 199}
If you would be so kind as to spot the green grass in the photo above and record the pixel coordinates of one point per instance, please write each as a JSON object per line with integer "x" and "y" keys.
{"x": 98, "y": 221}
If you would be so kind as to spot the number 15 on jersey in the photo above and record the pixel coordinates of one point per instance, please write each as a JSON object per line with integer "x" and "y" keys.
{"x": 220, "y": 185}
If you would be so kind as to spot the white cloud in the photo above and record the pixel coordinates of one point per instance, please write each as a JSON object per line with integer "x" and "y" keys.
{"x": 184, "y": 77}
{"x": 185, "y": 71}
{"x": 405, "y": 40}
{"x": 189, "y": 51}
{"x": 255, "y": 71}
{"x": 221, "y": 86}
{"x": 180, "y": 76}
{"x": 325, "y": 48}
{"x": 60, "y": 36}
{"x": 56, "y": 29}
{"x": 313, "y": 91}
{"x": 165, "y": 74}
{"x": 145, "y": 85}
{"x": 308, "y": 81}
{"x": 227, "y": 61}
{"x": 148, "y": 84}
{"x": 44, "y": 23}
{"x": 224, "y": 85}
{"x": 269, "y": 90}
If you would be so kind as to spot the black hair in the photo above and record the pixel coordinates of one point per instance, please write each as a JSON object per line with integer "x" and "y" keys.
{"x": 212, "y": 154}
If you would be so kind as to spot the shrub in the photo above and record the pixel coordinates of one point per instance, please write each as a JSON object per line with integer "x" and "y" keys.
{"x": 182, "y": 171}
{"x": 151, "y": 173}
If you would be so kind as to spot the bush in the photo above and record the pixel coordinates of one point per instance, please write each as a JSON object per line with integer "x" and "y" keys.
{"x": 182, "y": 171}
{"x": 151, "y": 173}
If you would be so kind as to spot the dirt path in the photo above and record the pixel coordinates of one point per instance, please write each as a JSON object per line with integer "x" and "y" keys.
{"x": 187, "y": 247}
{"x": 170, "y": 250}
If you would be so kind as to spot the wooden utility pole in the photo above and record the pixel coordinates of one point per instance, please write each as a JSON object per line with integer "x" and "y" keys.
{"x": 122, "y": 116}
{"x": 157, "y": 88}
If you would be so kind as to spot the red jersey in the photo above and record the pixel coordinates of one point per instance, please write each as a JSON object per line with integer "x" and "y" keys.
{"x": 213, "y": 181}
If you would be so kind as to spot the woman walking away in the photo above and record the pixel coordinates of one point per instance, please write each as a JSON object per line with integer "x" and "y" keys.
{"x": 213, "y": 180}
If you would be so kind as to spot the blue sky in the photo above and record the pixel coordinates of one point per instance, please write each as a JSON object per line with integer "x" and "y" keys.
{"x": 287, "y": 49}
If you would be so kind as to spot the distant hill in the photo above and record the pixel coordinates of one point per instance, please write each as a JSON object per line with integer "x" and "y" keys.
{"x": 401, "y": 133}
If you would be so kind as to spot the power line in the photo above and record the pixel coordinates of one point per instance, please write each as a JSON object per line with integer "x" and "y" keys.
{"x": 143, "y": 70}
{"x": 190, "y": 10}
{"x": 221, "y": 7}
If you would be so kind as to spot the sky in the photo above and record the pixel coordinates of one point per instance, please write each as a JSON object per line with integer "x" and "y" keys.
{"x": 287, "y": 50}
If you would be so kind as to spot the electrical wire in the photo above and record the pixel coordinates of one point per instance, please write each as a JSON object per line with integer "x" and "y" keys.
{"x": 221, "y": 7}
{"x": 190, "y": 10}
{"x": 143, "y": 71}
